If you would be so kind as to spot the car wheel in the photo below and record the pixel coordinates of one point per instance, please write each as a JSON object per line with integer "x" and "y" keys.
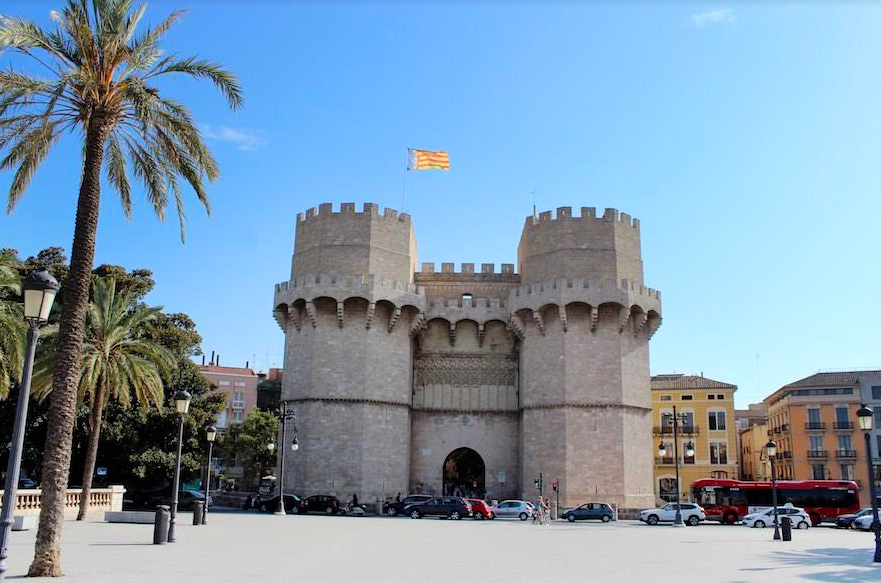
{"x": 523, "y": 516}
{"x": 454, "y": 515}
{"x": 606, "y": 518}
{"x": 415, "y": 514}
{"x": 803, "y": 525}
{"x": 693, "y": 521}
{"x": 759, "y": 524}
{"x": 729, "y": 518}
{"x": 478, "y": 515}
{"x": 391, "y": 512}
{"x": 263, "y": 507}
{"x": 328, "y": 510}
{"x": 652, "y": 519}
{"x": 570, "y": 518}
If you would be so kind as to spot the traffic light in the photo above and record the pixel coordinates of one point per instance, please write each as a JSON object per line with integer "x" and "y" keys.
{"x": 537, "y": 484}
{"x": 554, "y": 485}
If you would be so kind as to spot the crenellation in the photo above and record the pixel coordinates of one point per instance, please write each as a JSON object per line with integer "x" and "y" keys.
{"x": 347, "y": 208}
{"x": 448, "y": 267}
{"x": 467, "y": 268}
{"x": 487, "y": 268}
{"x": 428, "y": 268}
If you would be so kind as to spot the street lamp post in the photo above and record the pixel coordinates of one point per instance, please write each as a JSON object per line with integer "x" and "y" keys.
{"x": 284, "y": 415}
{"x": 39, "y": 293}
{"x": 771, "y": 448}
{"x": 675, "y": 419}
{"x": 210, "y": 435}
{"x": 182, "y": 405}
{"x": 864, "y": 416}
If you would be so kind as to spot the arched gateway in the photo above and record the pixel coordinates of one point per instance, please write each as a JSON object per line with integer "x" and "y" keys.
{"x": 464, "y": 473}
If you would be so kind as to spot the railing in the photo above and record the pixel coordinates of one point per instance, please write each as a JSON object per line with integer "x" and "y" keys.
{"x": 683, "y": 430}
{"x": 846, "y": 454}
{"x": 784, "y": 427}
{"x": 665, "y": 461}
{"x": 787, "y": 454}
{"x": 27, "y": 502}
{"x": 844, "y": 425}
{"x": 815, "y": 426}
{"x": 817, "y": 453}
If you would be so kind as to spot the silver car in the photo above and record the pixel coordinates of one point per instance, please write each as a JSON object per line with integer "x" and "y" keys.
{"x": 513, "y": 509}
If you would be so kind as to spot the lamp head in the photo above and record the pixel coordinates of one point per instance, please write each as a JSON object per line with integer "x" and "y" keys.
{"x": 295, "y": 445}
{"x": 182, "y": 402}
{"x": 270, "y": 446}
{"x": 662, "y": 449}
{"x": 864, "y": 417}
{"x": 689, "y": 449}
{"x": 771, "y": 447}
{"x": 210, "y": 433}
{"x": 39, "y": 293}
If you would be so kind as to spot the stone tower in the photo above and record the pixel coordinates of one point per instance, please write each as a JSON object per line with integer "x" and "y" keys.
{"x": 584, "y": 319}
{"x": 347, "y": 313}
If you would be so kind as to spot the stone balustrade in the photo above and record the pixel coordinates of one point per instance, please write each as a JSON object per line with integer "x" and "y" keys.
{"x": 27, "y": 502}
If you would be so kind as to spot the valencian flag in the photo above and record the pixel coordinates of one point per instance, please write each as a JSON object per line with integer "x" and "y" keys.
{"x": 427, "y": 160}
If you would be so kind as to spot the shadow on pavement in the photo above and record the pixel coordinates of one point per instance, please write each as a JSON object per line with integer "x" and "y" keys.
{"x": 854, "y": 564}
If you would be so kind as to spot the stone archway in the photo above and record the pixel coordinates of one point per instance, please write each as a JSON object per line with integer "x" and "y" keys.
{"x": 464, "y": 474}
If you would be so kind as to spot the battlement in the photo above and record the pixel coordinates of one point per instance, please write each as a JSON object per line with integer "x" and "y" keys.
{"x": 346, "y": 281}
{"x": 369, "y": 209}
{"x": 587, "y": 284}
{"x": 588, "y": 213}
{"x": 468, "y": 269}
{"x": 493, "y": 304}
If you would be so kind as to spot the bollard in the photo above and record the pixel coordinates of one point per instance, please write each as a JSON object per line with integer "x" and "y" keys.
{"x": 160, "y": 525}
{"x": 787, "y": 528}
{"x": 198, "y": 512}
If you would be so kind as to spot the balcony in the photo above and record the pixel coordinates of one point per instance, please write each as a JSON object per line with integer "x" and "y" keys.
{"x": 844, "y": 425}
{"x": 787, "y": 455}
{"x": 770, "y": 432}
{"x": 784, "y": 427}
{"x": 776, "y": 430}
{"x": 846, "y": 454}
{"x": 815, "y": 426}
{"x": 817, "y": 454}
{"x": 664, "y": 461}
{"x": 683, "y": 430}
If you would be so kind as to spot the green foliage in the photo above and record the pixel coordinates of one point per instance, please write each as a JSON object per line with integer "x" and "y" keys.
{"x": 12, "y": 326}
{"x": 249, "y": 440}
{"x": 100, "y": 72}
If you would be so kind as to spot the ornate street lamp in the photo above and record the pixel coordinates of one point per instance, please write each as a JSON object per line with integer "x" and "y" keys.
{"x": 210, "y": 435}
{"x": 864, "y": 417}
{"x": 40, "y": 289}
{"x": 182, "y": 405}
{"x": 674, "y": 420}
{"x": 771, "y": 448}
{"x": 284, "y": 415}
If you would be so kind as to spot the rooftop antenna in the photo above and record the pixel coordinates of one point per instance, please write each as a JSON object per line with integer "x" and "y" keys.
{"x": 534, "y": 211}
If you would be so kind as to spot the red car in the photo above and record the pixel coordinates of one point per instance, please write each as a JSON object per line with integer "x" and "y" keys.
{"x": 481, "y": 509}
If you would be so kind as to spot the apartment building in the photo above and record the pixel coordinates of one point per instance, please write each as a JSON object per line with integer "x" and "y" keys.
{"x": 752, "y": 435}
{"x": 814, "y": 423}
{"x": 706, "y": 410}
{"x": 239, "y": 384}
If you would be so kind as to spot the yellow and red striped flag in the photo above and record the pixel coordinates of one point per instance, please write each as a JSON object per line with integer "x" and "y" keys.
{"x": 427, "y": 160}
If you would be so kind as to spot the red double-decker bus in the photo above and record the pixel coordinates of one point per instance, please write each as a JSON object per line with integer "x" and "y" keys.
{"x": 729, "y": 500}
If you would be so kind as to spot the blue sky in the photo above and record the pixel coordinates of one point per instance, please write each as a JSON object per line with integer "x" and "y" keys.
{"x": 745, "y": 136}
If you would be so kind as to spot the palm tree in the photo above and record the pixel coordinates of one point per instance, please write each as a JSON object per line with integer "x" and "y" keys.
{"x": 12, "y": 328}
{"x": 118, "y": 362}
{"x": 99, "y": 83}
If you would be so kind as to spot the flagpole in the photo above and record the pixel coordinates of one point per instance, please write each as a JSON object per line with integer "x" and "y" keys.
{"x": 404, "y": 178}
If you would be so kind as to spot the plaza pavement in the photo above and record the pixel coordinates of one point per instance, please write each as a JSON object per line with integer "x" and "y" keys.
{"x": 237, "y": 546}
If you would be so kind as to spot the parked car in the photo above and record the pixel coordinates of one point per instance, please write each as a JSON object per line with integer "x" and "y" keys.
{"x": 590, "y": 511}
{"x": 291, "y": 504}
{"x": 26, "y": 484}
{"x": 692, "y": 514}
{"x": 513, "y": 509}
{"x": 763, "y": 518}
{"x": 481, "y": 509}
{"x": 845, "y": 520}
{"x": 397, "y": 508}
{"x": 320, "y": 503}
{"x": 186, "y": 499}
{"x": 863, "y": 522}
{"x": 451, "y": 507}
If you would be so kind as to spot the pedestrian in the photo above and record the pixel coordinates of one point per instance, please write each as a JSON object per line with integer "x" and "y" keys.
{"x": 398, "y": 497}
{"x": 354, "y": 500}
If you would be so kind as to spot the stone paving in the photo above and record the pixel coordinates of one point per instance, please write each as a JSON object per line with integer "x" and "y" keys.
{"x": 237, "y": 546}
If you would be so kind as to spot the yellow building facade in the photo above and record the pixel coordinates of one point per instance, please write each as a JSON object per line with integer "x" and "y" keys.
{"x": 705, "y": 408}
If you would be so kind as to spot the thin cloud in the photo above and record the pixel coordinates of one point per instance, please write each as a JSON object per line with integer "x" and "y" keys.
{"x": 718, "y": 16}
{"x": 246, "y": 140}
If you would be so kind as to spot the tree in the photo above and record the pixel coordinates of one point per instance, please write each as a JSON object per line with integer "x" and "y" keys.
{"x": 249, "y": 439}
{"x": 117, "y": 362}
{"x": 101, "y": 84}
{"x": 12, "y": 328}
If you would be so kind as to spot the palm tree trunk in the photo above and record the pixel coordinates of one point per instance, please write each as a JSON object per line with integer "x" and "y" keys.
{"x": 99, "y": 399}
{"x": 62, "y": 402}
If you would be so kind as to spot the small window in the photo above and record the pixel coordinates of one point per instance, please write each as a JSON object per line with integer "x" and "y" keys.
{"x": 467, "y": 297}
{"x": 876, "y": 392}
{"x": 711, "y": 397}
{"x": 720, "y": 397}
{"x": 666, "y": 398}
{"x": 687, "y": 397}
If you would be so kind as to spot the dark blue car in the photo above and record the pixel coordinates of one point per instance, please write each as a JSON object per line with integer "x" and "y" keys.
{"x": 590, "y": 511}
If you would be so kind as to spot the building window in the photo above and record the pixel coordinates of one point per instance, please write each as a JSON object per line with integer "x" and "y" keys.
{"x": 844, "y": 443}
{"x": 720, "y": 397}
{"x": 238, "y": 400}
{"x": 687, "y": 397}
{"x": 878, "y": 446}
{"x": 877, "y": 416}
{"x": 711, "y": 397}
{"x": 667, "y": 489}
{"x": 717, "y": 420}
{"x": 876, "y": 393}
{"x": 238, "y": 416}
{"x": 816, "y": 443}
{"x": 687, "y": 421}
{"x": 223, "y": 384}
{"x": 221, "y": 420}
{"x": 841, "y": 416}
{"x": 467, "y": 297}
{"x": 718, "y": 453}
{"x": 819, "y": 471}
{"x": 847, "y": 472}
{"x": 666, "y": 398}
{"x": 814, "y": 416}
{"x": 239, "y": 384}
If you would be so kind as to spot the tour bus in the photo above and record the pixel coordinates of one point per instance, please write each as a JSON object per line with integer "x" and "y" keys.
{"x": 727, "y": 501}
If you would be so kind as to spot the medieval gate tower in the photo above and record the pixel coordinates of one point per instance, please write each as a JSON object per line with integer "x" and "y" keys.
{"x": 470, "y": 381}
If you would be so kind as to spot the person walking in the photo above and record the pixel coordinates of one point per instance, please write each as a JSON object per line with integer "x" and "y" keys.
{"x": 398, "y": 497}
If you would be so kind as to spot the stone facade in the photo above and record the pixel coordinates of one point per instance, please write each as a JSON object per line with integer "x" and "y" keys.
{"x": 394, "y": 373}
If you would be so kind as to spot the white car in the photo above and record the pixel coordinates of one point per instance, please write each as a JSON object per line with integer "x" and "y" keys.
{"x": 513, "y": 509}
{"x": 800, "y": 518}
{"x": 863, "y": 522}
{"x": 692, "y": 514}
